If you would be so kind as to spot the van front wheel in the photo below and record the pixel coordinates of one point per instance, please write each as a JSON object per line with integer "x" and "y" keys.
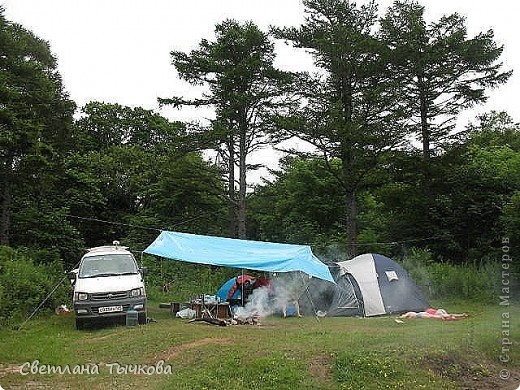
{"x": 142, "y": 318}
{"x": 80, "y": 323}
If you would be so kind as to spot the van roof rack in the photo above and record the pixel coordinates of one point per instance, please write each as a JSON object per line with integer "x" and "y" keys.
{"x": 107, "y": 248}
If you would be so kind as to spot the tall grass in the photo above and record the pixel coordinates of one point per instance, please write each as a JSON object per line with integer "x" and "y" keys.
{"x": 442, "y": 280}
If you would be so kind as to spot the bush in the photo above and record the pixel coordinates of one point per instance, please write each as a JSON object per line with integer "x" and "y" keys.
{"x": 417, "y": 263}
{"x": 25, "y": 283}
{"x": 478, "y": 282}
{"x": 183, "y": 280}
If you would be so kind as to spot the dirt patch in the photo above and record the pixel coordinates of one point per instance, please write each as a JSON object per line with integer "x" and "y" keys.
{"x": 33, "y": 385}
{"x": 14, "y": 369}
{"x": 9, "y": 369}
{"x": 175, "y": 350}
{"x": 469, "y": 374}
{"x": 319, "y": 368}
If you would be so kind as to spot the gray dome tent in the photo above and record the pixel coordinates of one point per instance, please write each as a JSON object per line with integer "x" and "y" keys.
{"x": 368, "y": 285}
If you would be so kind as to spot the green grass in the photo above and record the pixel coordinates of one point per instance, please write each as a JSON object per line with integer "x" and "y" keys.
{"x": 333, "y": 353}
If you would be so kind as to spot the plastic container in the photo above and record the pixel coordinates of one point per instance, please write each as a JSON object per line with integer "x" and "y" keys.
{"x": 132, "y": 317}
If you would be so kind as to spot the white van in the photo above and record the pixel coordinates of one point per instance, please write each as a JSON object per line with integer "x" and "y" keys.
{"x": 107, "y": 283}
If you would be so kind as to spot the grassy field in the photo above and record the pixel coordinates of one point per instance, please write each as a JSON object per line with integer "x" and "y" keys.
{"x": 292, "y": 353}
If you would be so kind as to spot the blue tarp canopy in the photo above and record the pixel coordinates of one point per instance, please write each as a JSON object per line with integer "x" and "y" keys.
{"x": 230, "y": 252}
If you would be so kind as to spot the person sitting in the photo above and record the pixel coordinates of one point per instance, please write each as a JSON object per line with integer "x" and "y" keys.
{"x": 262, "y": 281}
{"x": 244, "y": 284}
{"x": 247, "y": 289}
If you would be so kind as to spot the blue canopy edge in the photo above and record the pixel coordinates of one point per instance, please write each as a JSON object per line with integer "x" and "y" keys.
{"x": 235, "y": 253}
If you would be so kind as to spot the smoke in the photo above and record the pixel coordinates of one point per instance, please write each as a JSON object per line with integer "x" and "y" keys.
{"x": 284, "y": 291}
{"x": 258, "y": 305}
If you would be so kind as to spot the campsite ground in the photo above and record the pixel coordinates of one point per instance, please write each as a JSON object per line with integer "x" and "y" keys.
{"x": 346, "y": 353}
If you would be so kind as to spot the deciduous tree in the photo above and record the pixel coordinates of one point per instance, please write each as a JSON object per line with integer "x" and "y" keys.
{"x": 35, "y": 119}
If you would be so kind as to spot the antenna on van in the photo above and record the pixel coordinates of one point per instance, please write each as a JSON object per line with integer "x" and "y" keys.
{"x": 116, "y": 243}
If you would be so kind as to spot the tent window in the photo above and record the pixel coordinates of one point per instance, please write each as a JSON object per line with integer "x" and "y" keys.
{"x": 391, "y": 275}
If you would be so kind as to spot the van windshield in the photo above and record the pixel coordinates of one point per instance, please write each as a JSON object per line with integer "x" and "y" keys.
{"x": 107, "y": 265}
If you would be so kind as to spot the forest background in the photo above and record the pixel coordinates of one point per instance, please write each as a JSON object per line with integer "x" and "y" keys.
{"x": 385, "y": 169}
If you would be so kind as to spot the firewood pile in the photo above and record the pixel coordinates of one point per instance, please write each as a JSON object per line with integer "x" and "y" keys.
{"x": 253, "y": 319}
{"x": 237, "y": 320}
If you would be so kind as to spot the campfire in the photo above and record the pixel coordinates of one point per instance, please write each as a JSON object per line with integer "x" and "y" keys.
{"x": 253, "y": 319}
{"x": 261, "y": 303}
{"x": 246, "y": 319}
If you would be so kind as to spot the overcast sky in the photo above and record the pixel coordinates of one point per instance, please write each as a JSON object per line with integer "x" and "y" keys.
{"x": 117, "y": 51}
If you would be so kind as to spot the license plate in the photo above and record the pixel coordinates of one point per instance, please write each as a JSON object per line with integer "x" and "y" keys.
{"x": 110, "y": 309}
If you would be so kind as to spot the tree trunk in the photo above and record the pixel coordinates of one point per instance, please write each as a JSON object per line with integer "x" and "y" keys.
{"x": 426, "y": 141}
{"x": 351, "y": 211}
{"x": 426, "y": 168}
{"x": 242, "y": 182}
{"x": 232, "y": 204}
{"x": 6, "y": 206}
{"x": 349, "y": 182}
{"x": 425, "y": 134}
{"x": 350, "y": 200}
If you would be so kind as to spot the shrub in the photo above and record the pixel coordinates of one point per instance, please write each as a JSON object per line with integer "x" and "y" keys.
{"x": 417, "y": 263}
{"x": 25, "y": 283}
{"x": 443, "y": 280}
{"x": 182, "y": 279}
{"x": 465, "y": 281}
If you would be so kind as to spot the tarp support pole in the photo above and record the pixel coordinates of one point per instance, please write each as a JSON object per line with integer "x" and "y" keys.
{"x": 242, "y": 287}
